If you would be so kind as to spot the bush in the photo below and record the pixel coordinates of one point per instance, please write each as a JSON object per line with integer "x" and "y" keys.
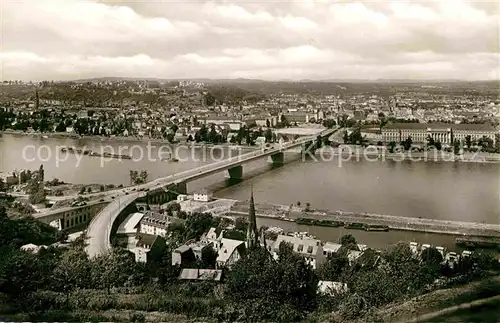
{"x": 352, "y": 307}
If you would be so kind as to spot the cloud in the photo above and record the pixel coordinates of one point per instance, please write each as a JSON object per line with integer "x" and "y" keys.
{"x": 70, "y": 39}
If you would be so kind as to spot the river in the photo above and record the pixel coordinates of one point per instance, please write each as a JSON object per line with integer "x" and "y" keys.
{"x": 437, "y": 190}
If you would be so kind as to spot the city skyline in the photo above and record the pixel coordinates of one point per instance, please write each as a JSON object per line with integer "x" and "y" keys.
{"x": 313, "y": 40}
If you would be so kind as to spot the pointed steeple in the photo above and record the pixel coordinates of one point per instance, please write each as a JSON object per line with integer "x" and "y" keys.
{"x": 252, "y": 234}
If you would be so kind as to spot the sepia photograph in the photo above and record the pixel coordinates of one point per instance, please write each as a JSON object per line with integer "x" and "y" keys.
{"x": 312, "y": 161}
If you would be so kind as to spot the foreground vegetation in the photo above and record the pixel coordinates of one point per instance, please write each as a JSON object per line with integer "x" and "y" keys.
{"x": 63, "y": 284}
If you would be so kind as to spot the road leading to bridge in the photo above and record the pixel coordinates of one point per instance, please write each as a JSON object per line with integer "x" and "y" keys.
{"x": 99, "y": 229}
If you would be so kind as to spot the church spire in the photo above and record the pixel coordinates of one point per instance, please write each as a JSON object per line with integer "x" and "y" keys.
{"x": 252, "y": 234}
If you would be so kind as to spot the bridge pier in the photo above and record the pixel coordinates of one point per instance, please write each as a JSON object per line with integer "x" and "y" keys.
{"x": 236, "y": 172}
{"x": 181, "y": 187}
{"x": 278, "y": 159}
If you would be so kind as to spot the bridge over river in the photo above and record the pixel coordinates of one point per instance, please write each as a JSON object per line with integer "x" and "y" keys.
{"x": 101, "y": 227}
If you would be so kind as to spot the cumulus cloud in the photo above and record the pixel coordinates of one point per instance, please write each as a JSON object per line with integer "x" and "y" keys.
{"x": 314, "y": 39}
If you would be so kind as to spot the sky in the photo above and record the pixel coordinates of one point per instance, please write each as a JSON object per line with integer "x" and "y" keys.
{"x": 258, "y": 39}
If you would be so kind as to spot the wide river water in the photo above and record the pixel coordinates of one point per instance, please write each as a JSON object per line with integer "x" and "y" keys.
{"x": 437, "y": 190}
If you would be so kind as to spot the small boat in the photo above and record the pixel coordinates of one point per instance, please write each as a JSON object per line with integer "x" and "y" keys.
{"x": 45, "y": 137}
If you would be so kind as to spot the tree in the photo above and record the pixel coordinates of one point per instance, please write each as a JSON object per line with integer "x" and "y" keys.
{"x": 72, "y": 271}
{"x": 196, "y": 224}
{"x": 112, "y": 269}
{"x": 89, "y": 189}
{"x": 298, "y": 203}
{"x": 101, "y": 188}
{"x": 284, "y": 121}
{"x": 431, "y": 256}
{"x": 283, "y": 290}
{"x": 308, "y": 207}
{"x": 174, "y": 128}
{"x": 209, "y": 99}
{"x": 208, "y": 257}
{"x": 392, "y": 146}
{"x": 456, "y": 146}
{"x": 346, "y": 137}
{"x": 241, "y": 224}
{"x": 133, "y": 176}
{"x": 468, "y": 141}
{"x": 36, "y": 189}
{"x": 332, "y": 269}
{"x": 170, "y": 137}
{"x": 268, "y": 123}
{"x": 329, "y": 123}
{"x": 61, "y": 127}
{"x": 82, "y": 190}
{"x": 407, "y": 143}
{"x": 319, "y": 142}
{"x": 347, "y": 240}
{"x": 268, "y": 135}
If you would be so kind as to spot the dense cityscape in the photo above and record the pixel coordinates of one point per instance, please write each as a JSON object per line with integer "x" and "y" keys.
{"x": 310, "y": 161}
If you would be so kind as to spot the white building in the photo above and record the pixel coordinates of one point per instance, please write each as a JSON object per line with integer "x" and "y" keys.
{"x": 443, "y": 132}
{"x": 230, "y": 252}
{"x": 332, "y": 288}
{"x": 203, "y": 196}
{"x": 156, "y": 224}
{"x": 310, "y": 249}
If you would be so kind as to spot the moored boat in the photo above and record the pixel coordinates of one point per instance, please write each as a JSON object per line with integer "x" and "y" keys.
{"x": 376, "y": 227}
{"x": 478, "y": 242}
{"x": 355, "y": 226}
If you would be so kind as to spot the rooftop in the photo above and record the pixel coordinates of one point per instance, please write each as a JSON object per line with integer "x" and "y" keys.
{"x": 145, "y": 240}
{"x": 129, "y": 225}
{"x": 305, "y": 246}
{"x": 227, "y": 248}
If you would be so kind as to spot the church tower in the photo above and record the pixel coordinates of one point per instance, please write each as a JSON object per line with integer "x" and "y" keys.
{"x": 252, "y": 233}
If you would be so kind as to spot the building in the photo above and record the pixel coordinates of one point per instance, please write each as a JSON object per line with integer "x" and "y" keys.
{"x": 149, "y": 247}
{"x": 230, "y": 252}
{"x": 182, "y": 255}
{"x": 203, "y": 196}
{"x": 200, "y": 274}
{"x": 33, "y": 248}
{"x": 310, "y": 249}
{"x": 330, "y": 248}
{"x": 442, "y": 132}
{"x": 156, "y": 223}
{"x": 189, "y": 252}
{"x": 332, "y": 288}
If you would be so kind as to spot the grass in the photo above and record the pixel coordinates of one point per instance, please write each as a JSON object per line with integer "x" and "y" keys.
{"x": 481, "y": 314}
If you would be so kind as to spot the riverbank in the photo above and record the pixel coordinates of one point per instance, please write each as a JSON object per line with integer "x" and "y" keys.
{"x": 292, "y": 213}
{"x": 122, "y": 139}
{"x": 332, "y": 154}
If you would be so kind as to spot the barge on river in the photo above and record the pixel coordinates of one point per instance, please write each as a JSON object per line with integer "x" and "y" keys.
{"x": 88, "y": 152}
{"x": 336, "y": 224}
{"x": 479, "y": 242}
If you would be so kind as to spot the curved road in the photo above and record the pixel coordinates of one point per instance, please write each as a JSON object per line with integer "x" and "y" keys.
{"x": 99, "y": 230}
